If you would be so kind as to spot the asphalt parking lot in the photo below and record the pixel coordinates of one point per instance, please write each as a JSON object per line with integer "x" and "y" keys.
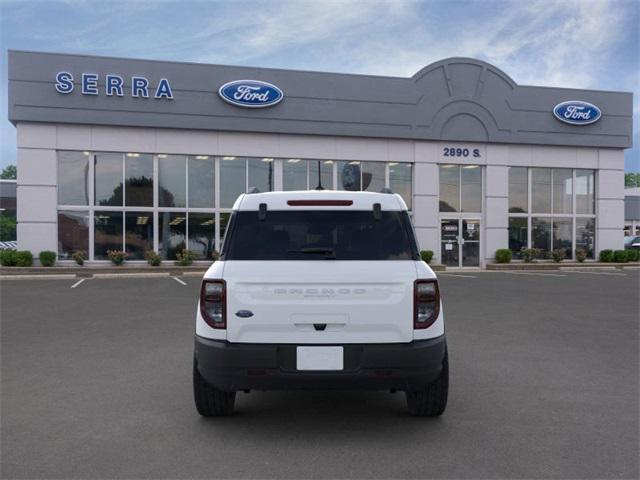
{"x": 96, "y": 383}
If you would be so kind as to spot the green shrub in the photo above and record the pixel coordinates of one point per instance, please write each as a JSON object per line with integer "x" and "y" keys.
{"x": 530, "y": 254}
{"x": 633, "y": 255}
{"x": 185, "y": 258}
{"x": 215, "y": 255}
{"x": 47, "y": 258}
{"x": 606, "y": 256}
{"x": 620, "y": 256}
{"x": 558, "y": 255}
{"x": 79, "y": 256}
{"x": 581, "y": 254}
{"x": 24, "y": 258}
{"x": 426, "y": 255}
{"x": 503, "y": 255}
{"x": 153, "y": 258}
{"x": 8, "y": 258}
{"x": 117, "y": 256}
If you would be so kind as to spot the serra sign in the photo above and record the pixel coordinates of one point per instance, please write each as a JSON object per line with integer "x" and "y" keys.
{"x": 113, "y": 85}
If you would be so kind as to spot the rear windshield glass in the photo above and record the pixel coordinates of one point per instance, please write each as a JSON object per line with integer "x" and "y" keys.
{"x": 320, "y": 235}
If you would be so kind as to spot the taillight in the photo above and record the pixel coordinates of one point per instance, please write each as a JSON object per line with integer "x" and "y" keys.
{"x": 213, "y": 300}
{"x": 426, "y": 303}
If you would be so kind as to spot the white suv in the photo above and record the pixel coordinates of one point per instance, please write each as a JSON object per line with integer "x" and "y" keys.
{"x": 320, "y": 289}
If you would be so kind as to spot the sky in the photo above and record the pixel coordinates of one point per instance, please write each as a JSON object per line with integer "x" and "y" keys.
{"x": 566, "y": 43}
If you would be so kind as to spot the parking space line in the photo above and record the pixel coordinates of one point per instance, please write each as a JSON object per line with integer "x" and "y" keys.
{"x": 599, "y": 273}
{"x": 179, "y": 281}
{"x": 78, "y": 283}
{"x": 538, "y": 274}
{"x": 455, "y": 275}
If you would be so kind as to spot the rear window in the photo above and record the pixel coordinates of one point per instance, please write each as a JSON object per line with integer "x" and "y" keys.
{"x": 320, "y": 235}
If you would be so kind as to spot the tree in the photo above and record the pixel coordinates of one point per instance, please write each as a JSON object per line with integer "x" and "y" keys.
{"x": 632, "y": 180}
{"x": 9, "y": 173}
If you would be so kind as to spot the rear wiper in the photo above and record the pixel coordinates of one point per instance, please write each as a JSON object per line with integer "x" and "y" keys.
{"x": 329, "y": 252}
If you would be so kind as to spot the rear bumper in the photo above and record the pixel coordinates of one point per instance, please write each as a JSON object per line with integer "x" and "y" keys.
{"x": 242, "y": 366}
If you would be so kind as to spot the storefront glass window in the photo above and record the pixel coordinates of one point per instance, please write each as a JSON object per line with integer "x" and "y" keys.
{"x": 73, "y": 178}
{"x": 517, "y": 235}
{"x": 326, "y": 174}
{"x": 541, "y": 190}
{"x": 449, "y": 188}
{"x": 373, "y": 176}
{"x": 400, "y": 179}
{"x": 138, "y": 237}
{"x": 108, "y": 233}
{"x": 224, "y": 221}
{"x": 586, "y": 234}
{"x": 471, "y": 188}
{"x": 294, "y": 174}
{"x": 139, "y": 180}
{"x": 73, "y": 233}
{"x": 233, "y": 180}
{"x": 201, "y": 181}
{"x": 541, "y": 235}
{"x": 108, "y": 179}
{"x": 171, "y": 180}
{"x": 518, "y": 190}
{"x": 261, "y": 173}
{"x": 172, "y": 234}
{"x": 349, "y": 176}
{"x": 562, "y": 235}
{"x": 202, "y": 234}
{"x": 585, "y": 192}
{"x": 562, "y": 190}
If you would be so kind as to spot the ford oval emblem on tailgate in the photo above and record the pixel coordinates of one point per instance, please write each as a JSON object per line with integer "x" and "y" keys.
{"x": 244, "y": 313}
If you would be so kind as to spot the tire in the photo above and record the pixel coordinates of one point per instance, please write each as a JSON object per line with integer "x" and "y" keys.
{"x": 211, "y": 402}
{"x": 431, "y": 401}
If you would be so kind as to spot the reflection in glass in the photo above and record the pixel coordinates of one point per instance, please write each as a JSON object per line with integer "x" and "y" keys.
{"x": 73, "y": 178}
{"x": 562, "y": 232}
{"x": 138, "y": 234}
{"x": 541, "y": 190}
{"x": 518, "y": 190}
{"x": 108, "y": 233}
{"x": 201, "y": 182}
{"x": 233, "y": 180}
{"x": 562, "y": 190}
{"x": 108, "y": 179}
{"x": 400, "y": 180}
{"x": 139, "y": 180}
{"x": 171, "y": 234}
{"x": 294, "y": 174}
{"x": 202, "y": 234}
{"x": 326, "y": 174}
{"x": 73, "y": 233}
{"x": 171, "y": 180}
{"x": 449, "y": 252}
{"x": 541, "y": 235}
{"x": 373, "y": 176}
{"x": 585, "y": 192}
{"x": 586, "y": 234}
{"x": 517, "y": 236}
{"x": 349, "y": 176}
{"x": 261, "y": 173}
{"x": 471, "y": 188}
{"x": 449, "y": 188}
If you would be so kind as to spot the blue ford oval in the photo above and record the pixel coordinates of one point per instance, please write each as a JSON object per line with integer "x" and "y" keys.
{"x": 250, "y": 93}
{"x": 577, "y": 112}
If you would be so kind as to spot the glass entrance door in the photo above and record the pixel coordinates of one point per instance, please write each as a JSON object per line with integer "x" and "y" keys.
{"x": 460, "y": 242}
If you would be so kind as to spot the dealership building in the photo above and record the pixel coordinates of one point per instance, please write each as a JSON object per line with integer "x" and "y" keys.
{"x": 141, "y": 155}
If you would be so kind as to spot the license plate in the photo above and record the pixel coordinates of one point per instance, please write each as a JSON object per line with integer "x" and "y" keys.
{"x": 320, "y": 358}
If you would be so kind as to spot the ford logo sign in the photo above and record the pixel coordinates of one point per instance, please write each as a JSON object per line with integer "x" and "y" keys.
{"x": 576, "y": 112}
{"x": 250, "y": 93}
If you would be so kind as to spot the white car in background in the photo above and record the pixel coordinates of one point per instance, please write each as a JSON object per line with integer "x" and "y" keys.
{"x": 320, "y": 289}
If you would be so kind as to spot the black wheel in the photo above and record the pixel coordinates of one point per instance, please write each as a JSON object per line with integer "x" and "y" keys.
{"x": 432, "y": 401}
{"x": 211, "y": 402}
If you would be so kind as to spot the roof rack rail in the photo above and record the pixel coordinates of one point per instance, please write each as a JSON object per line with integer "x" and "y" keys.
{"x": 253, "y": 190}
{"x": 386, "y": 190}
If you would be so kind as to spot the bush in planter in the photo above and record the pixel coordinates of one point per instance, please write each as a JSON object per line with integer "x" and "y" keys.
{"x": 47, "y": 258}
{"x": 426, "y": 255}
{"x": 215, "y": 255}
{"x": 581, "y": 254}
{"x": 503, "y": 255}
{"x": 79, "y": 256}
{"x": 8, "y": 258}
{"x": 185, "y": 258}
{"x": 24, "y": 258}
{"x": 152, "y": 258}
{"x": 117, "y": 256}
{"x": 606, "y": 256}
{"x": 529, "y": 254}
{"x": 633, "y": 255}
{"x": 558, "y": 255}
{"x": 620, "y": 256}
